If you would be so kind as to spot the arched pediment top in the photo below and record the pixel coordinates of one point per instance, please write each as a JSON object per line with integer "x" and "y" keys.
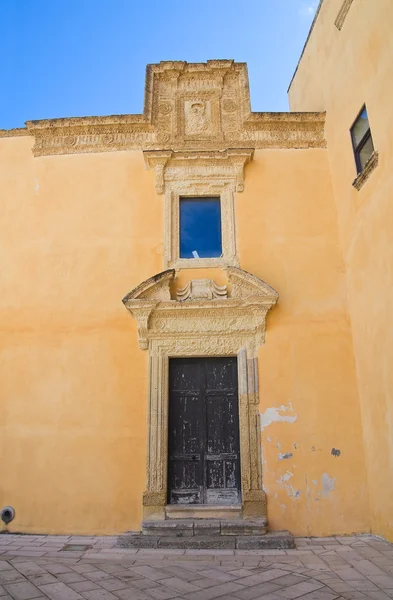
{"x": 156, "y": 287}
{"x": 201, "y": 309}
{"x": 246, "y": 285}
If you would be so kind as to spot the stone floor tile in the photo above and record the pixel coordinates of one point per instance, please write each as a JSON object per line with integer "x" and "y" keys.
{"x": 206, "y": 582}
{"x": 60, "y": 591}
{"x": 72, "y": 577}
{"x": 29, "y": 568}
{"x": 259, "y": 578}
{"x": 143, "y": 584}
{"x": 112, "y": 583}
{"x": 184, "y": 587}
{"x": 382, "y": 581}
{"x": 163, "y": 593}
{"x": 257, "y": 591}
{"x": 23, "y": 590}
{"x": 218, "y": 574}
{"x": 99, "y": 594}
{"x": 10, "y": 576}
{"x": 56, "y": 568}
{"x": 84, "y": 586}
{"x": 42, "y": 579}
{"x": 149, "y": 572}
{"x": 132, "y": 594}
{"x": 299, "y": 589}
{"x": 320, "y": 595}
{"x": 97, "y": 575}
{"x": 223, "y": 589}
{"x": 181, "y": 572}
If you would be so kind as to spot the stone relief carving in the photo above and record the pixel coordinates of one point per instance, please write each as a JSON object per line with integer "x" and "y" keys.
{"x": 201, "y": 308}
{"x": 202, "y": 319}
{"x": 197, "y": 289}
{"x": 187, "y": 107}
{"x": 198, "y": 119}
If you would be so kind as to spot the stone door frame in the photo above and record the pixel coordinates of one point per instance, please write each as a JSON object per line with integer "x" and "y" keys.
{"x": 201, "y": 320}
{"x": 155, "y": 495}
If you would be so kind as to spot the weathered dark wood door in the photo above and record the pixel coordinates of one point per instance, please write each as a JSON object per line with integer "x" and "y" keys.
{"x": 203, "y": 440}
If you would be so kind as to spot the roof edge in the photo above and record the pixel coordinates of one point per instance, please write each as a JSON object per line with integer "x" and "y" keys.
{"x": 306, "y": 42}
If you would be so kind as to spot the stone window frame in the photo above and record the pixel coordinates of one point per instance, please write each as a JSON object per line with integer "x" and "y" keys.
{"x": 198, "y": 174}
{"x": 172, "y": 258}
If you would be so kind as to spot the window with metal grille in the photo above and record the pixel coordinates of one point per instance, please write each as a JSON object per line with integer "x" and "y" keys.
{"x": 362, "y": 140}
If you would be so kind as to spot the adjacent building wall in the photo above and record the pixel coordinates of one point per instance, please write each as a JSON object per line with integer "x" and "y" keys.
{"x": 78, "y": 232}
{"x": 340, "y": 71}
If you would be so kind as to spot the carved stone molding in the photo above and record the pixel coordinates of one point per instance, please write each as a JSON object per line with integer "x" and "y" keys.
{"x": 369, "y": 167}
{"x": 199, "y": 173}
{"x": 198, "y": 289}
{"x": 342, "y": 15}
{"x": 226, "y": 165}
{"x": 202, "y": 325}
{"x": 239, "y": 315}
{"x": 196, "y": 106}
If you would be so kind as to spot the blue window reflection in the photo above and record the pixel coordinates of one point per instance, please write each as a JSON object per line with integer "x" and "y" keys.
{"x": 200, "y": 228}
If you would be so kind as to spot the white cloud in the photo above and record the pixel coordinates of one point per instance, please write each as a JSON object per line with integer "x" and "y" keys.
{"x": 307, "y": 10}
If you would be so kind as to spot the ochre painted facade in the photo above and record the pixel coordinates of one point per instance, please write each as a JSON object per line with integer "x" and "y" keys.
{"x": 87, "y": 216}
{"x": 340, "y": 70}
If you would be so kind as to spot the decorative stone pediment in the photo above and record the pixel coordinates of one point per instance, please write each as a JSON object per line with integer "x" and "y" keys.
{"x": 201, "y": 309}
{"x": 225, "y": 166}
{"x": 188, "y": 106}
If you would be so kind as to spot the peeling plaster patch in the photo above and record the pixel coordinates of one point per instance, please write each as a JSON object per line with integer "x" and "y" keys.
{"x": 285, "y": 455}
{"x": 335, "y": 452}
{"x": 313, "y": 448}
{"x": 272, "y": 415}
{"x": 315, "y": 481}
{"x": 268, "y": 439}
{"x": 285, "y": 477}
{"x": 278, "y": 445}
{"x": 291, "y": 491}
{"x": 36, "y": 186}
{"x": 328, "y": 484}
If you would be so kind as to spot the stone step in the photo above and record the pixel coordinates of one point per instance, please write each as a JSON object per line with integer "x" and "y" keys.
{"x": 204, "y": 527}
{"x": 195, "y": 511}
{"x": 271, "y": 541}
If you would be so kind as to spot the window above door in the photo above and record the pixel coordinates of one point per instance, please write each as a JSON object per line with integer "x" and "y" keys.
{"x": 200, "y": 189}
{"x": 200, "y": 227}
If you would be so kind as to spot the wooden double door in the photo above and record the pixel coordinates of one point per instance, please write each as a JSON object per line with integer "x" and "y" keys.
{"x": 203, "y": 435}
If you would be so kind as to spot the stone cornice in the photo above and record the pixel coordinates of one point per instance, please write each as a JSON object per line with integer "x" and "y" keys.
{"x": 205, "y": 310}
{"x": 224, "y": 164}
{"x": 200, "y": 106}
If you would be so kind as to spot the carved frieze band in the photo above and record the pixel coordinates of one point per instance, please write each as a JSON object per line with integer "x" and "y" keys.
{"x": 202, "y": 309}
{"x": 187, "y": 107}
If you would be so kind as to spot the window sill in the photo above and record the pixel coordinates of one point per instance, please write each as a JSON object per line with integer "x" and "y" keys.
{"x": 197, "y": 263}
{"x": 368, "y": 169}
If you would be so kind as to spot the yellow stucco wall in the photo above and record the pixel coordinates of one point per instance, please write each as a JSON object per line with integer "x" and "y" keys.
{"x": 78, "y": 233}
{"x": 339, "y": 72}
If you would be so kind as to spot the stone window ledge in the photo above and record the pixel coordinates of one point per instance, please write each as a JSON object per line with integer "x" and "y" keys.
{"x": 365, "y": 174}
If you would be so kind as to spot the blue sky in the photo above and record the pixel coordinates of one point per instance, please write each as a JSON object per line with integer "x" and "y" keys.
{"x": 62, "y": 58}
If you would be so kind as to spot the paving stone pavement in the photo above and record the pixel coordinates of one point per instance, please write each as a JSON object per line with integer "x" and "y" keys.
{"x": 37, "y": 567}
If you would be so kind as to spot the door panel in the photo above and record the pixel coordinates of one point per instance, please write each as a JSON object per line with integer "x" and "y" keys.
{"x": 203, "y": 441}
